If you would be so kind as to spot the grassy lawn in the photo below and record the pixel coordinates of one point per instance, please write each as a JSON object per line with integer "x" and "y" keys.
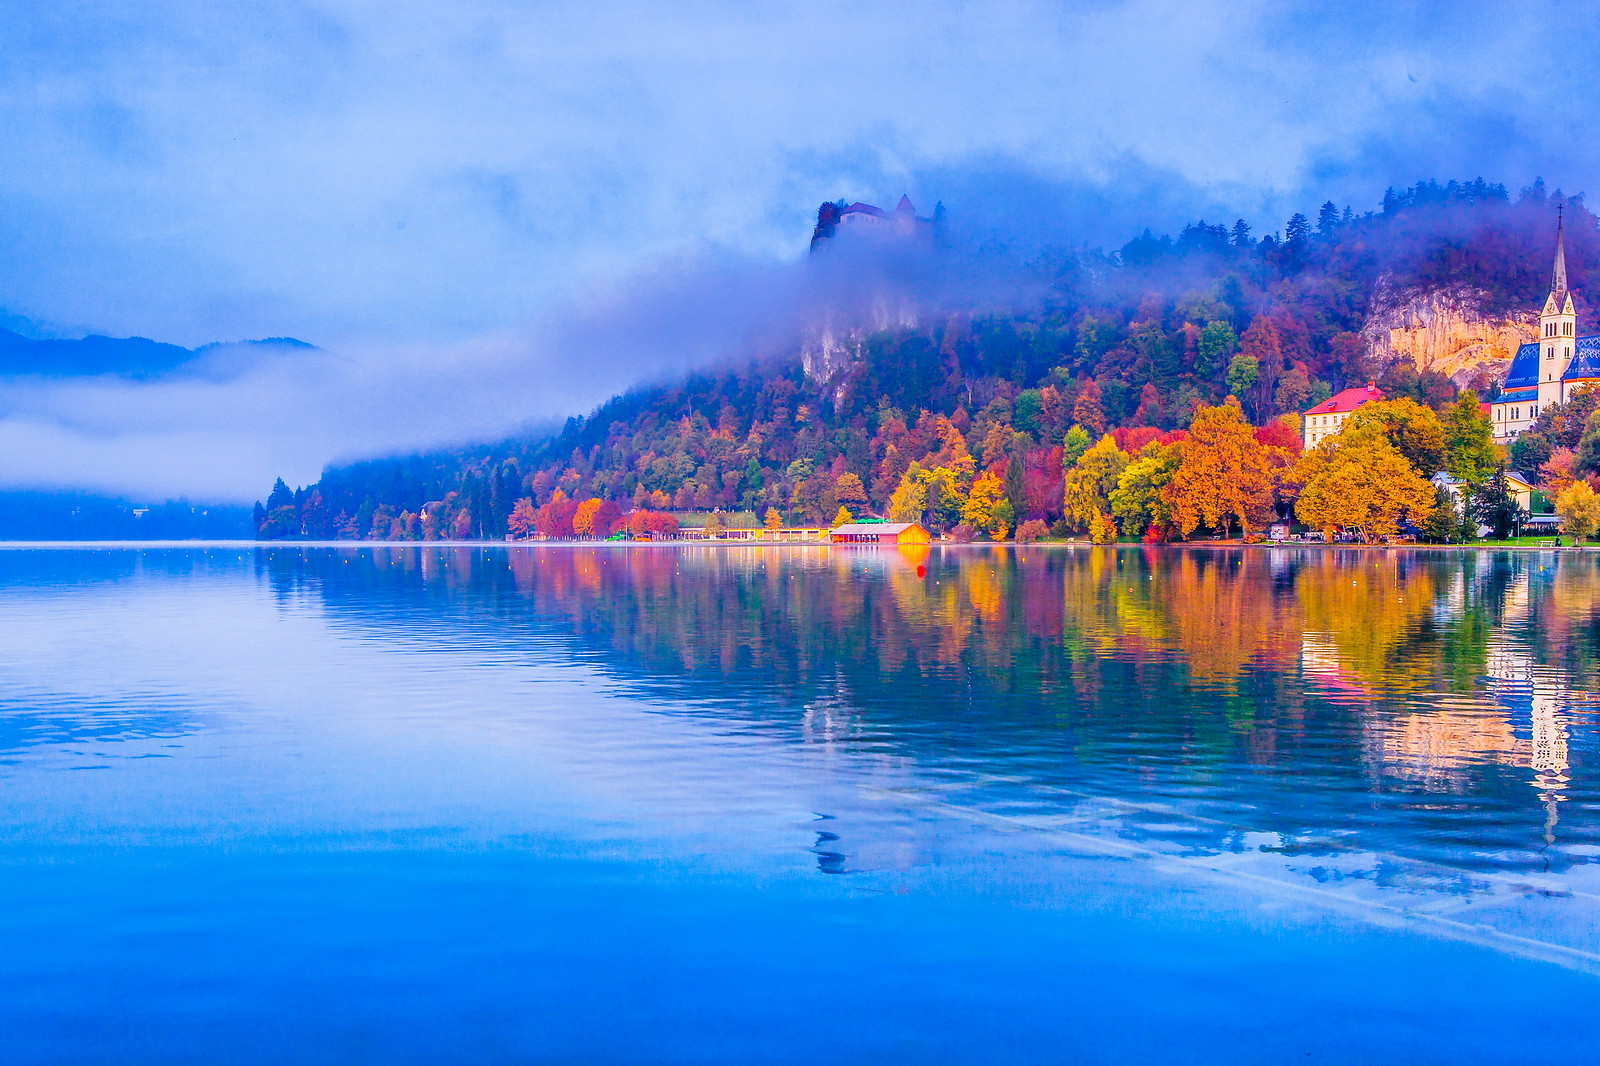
{"x": 1536, "y": 540}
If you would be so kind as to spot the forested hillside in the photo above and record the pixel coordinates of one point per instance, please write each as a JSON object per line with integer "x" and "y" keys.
{"x": 1014, "y": 391}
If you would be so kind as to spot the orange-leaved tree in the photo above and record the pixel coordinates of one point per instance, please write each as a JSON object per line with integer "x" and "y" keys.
{"x": 1225, "y": 475}
{"x": 583, "y": 518}
{"x": 520, "y": 524}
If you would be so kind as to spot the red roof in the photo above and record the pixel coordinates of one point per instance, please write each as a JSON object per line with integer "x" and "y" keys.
{"x": 1347, "y": 401}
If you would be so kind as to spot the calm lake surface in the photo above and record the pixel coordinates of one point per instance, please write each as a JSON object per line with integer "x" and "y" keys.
{"x": 687, "y": 804}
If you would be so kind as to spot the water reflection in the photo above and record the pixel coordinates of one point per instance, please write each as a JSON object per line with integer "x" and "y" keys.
{"x": 1434, "y": 706}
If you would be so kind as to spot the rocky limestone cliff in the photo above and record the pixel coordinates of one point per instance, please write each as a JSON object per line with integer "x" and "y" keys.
{"x": 831, "y": 347}
{"x": 1444, "y": 330}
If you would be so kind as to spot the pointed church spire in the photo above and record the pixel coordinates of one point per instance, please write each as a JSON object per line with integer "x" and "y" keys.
{"x": 1558, "y": 283}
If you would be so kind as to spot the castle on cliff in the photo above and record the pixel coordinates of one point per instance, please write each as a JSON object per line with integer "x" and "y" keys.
{"x": 838, "y": 219}
{"x": 1552, "y": 368}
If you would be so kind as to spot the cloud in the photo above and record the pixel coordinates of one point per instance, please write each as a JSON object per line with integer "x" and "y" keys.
{"x": 439, "y": 192}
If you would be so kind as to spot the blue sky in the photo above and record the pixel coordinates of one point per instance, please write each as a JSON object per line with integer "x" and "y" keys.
{"x": 428, "y": 191}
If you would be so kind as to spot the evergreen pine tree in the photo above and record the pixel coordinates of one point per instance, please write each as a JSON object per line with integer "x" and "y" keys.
{"x": 1444, "y": 524}
{"x": 1495, "y": 507}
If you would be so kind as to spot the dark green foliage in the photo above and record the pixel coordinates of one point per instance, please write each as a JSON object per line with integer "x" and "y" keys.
{"x": 1444, "y": 525}
{"x": 1493, "y": 506}
{"x": 1530, "y": 451}
{"x": 1587, "y": 460}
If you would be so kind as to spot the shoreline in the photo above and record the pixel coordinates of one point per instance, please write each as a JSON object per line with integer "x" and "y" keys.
{"x": 1209, "y": 545}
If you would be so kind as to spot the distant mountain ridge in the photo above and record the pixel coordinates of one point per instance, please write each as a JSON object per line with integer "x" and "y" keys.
{"x": 39, "y": 515}
{"x": 135, "y": 358}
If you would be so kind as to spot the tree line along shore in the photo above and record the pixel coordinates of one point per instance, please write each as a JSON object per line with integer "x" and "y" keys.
{"x": 992, "y": 421}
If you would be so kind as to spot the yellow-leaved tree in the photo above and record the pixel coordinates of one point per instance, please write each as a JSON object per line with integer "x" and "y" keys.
{"x": 909, "y": 502}
{"x": 842, "y": 518}
{"x": 1224, "y": 475}
{"x": 1137, "y": 501}
{"x": 773, "y": 519}
{"x": 933, "y": 497}
{"x": 1090, "y": 481}
{"x": 982, "y": 509}
{"x": 1579, "y": 509}
{"x": 1363, "y": 484}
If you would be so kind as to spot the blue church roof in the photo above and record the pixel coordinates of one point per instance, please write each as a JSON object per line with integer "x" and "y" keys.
{"x": 1585, "y": 359}
{"x": 1524, "y": 372}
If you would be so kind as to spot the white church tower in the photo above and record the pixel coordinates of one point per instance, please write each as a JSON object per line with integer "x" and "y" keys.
{"x": 1558, "y": 330}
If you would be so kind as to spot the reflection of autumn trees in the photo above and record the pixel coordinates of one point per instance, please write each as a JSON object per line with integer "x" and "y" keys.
{"x": 1364, "y": 668}
{"x": 1375, "y": 611}
{"x": 1391, "y": 622}
{"x": 1038, "y": 619}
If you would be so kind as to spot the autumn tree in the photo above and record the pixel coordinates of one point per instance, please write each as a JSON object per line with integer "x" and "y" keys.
{"x": 1261, "y": 343}
{"x": 1223, "y": 477}
{"x": 986, "y": 505}
{"x": 842, "y": 518}
{"x": 1579, "y": 509}
{"x": 520, "y": 524}
{"x": 1088, "y": 410}
{"x": 1091, "y": 480}
{"x": 583, "y": 517}
{"x": 848, "y": 491}
{"x": 909, "y": 503}
{"x": 1557, "y": 472}
{"x": 1364, "y": 485}
{"x": 1414, "y": 430}
{"x": 773, "y": 519}
{"x": 554, "y": 516}
{"x": 1137, "y": 501}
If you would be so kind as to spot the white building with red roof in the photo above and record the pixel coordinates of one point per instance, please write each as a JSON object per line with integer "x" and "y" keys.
{"x": 859, "y": 219}
{"x": 1324, "y": 420}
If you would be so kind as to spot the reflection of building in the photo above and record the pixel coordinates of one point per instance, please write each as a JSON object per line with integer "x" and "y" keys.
{"x": 1534, "y": 697}
{"x": 1324, "y": 420}
{"x": 1552, "y": 368}
{"x": 1435, "y": 738}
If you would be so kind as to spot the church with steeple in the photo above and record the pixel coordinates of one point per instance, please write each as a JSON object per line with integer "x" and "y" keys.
{"x": 1551, "y": 369}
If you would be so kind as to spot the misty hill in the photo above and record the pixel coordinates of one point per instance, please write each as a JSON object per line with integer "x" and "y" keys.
{"x": 28, "y": 515}
{"x": 128, "y": 357}
{"x": 1137, "y": 337}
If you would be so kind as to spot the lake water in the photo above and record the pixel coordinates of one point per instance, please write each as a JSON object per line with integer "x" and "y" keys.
{"x": 687, "y": 804}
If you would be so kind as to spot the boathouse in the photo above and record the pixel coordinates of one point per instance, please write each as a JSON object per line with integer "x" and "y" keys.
{"x": 881, "y": 533}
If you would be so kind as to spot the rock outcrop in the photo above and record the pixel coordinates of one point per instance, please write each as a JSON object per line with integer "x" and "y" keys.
{"x": 833, "y": 341}
{"x": 1444, "y": 330}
